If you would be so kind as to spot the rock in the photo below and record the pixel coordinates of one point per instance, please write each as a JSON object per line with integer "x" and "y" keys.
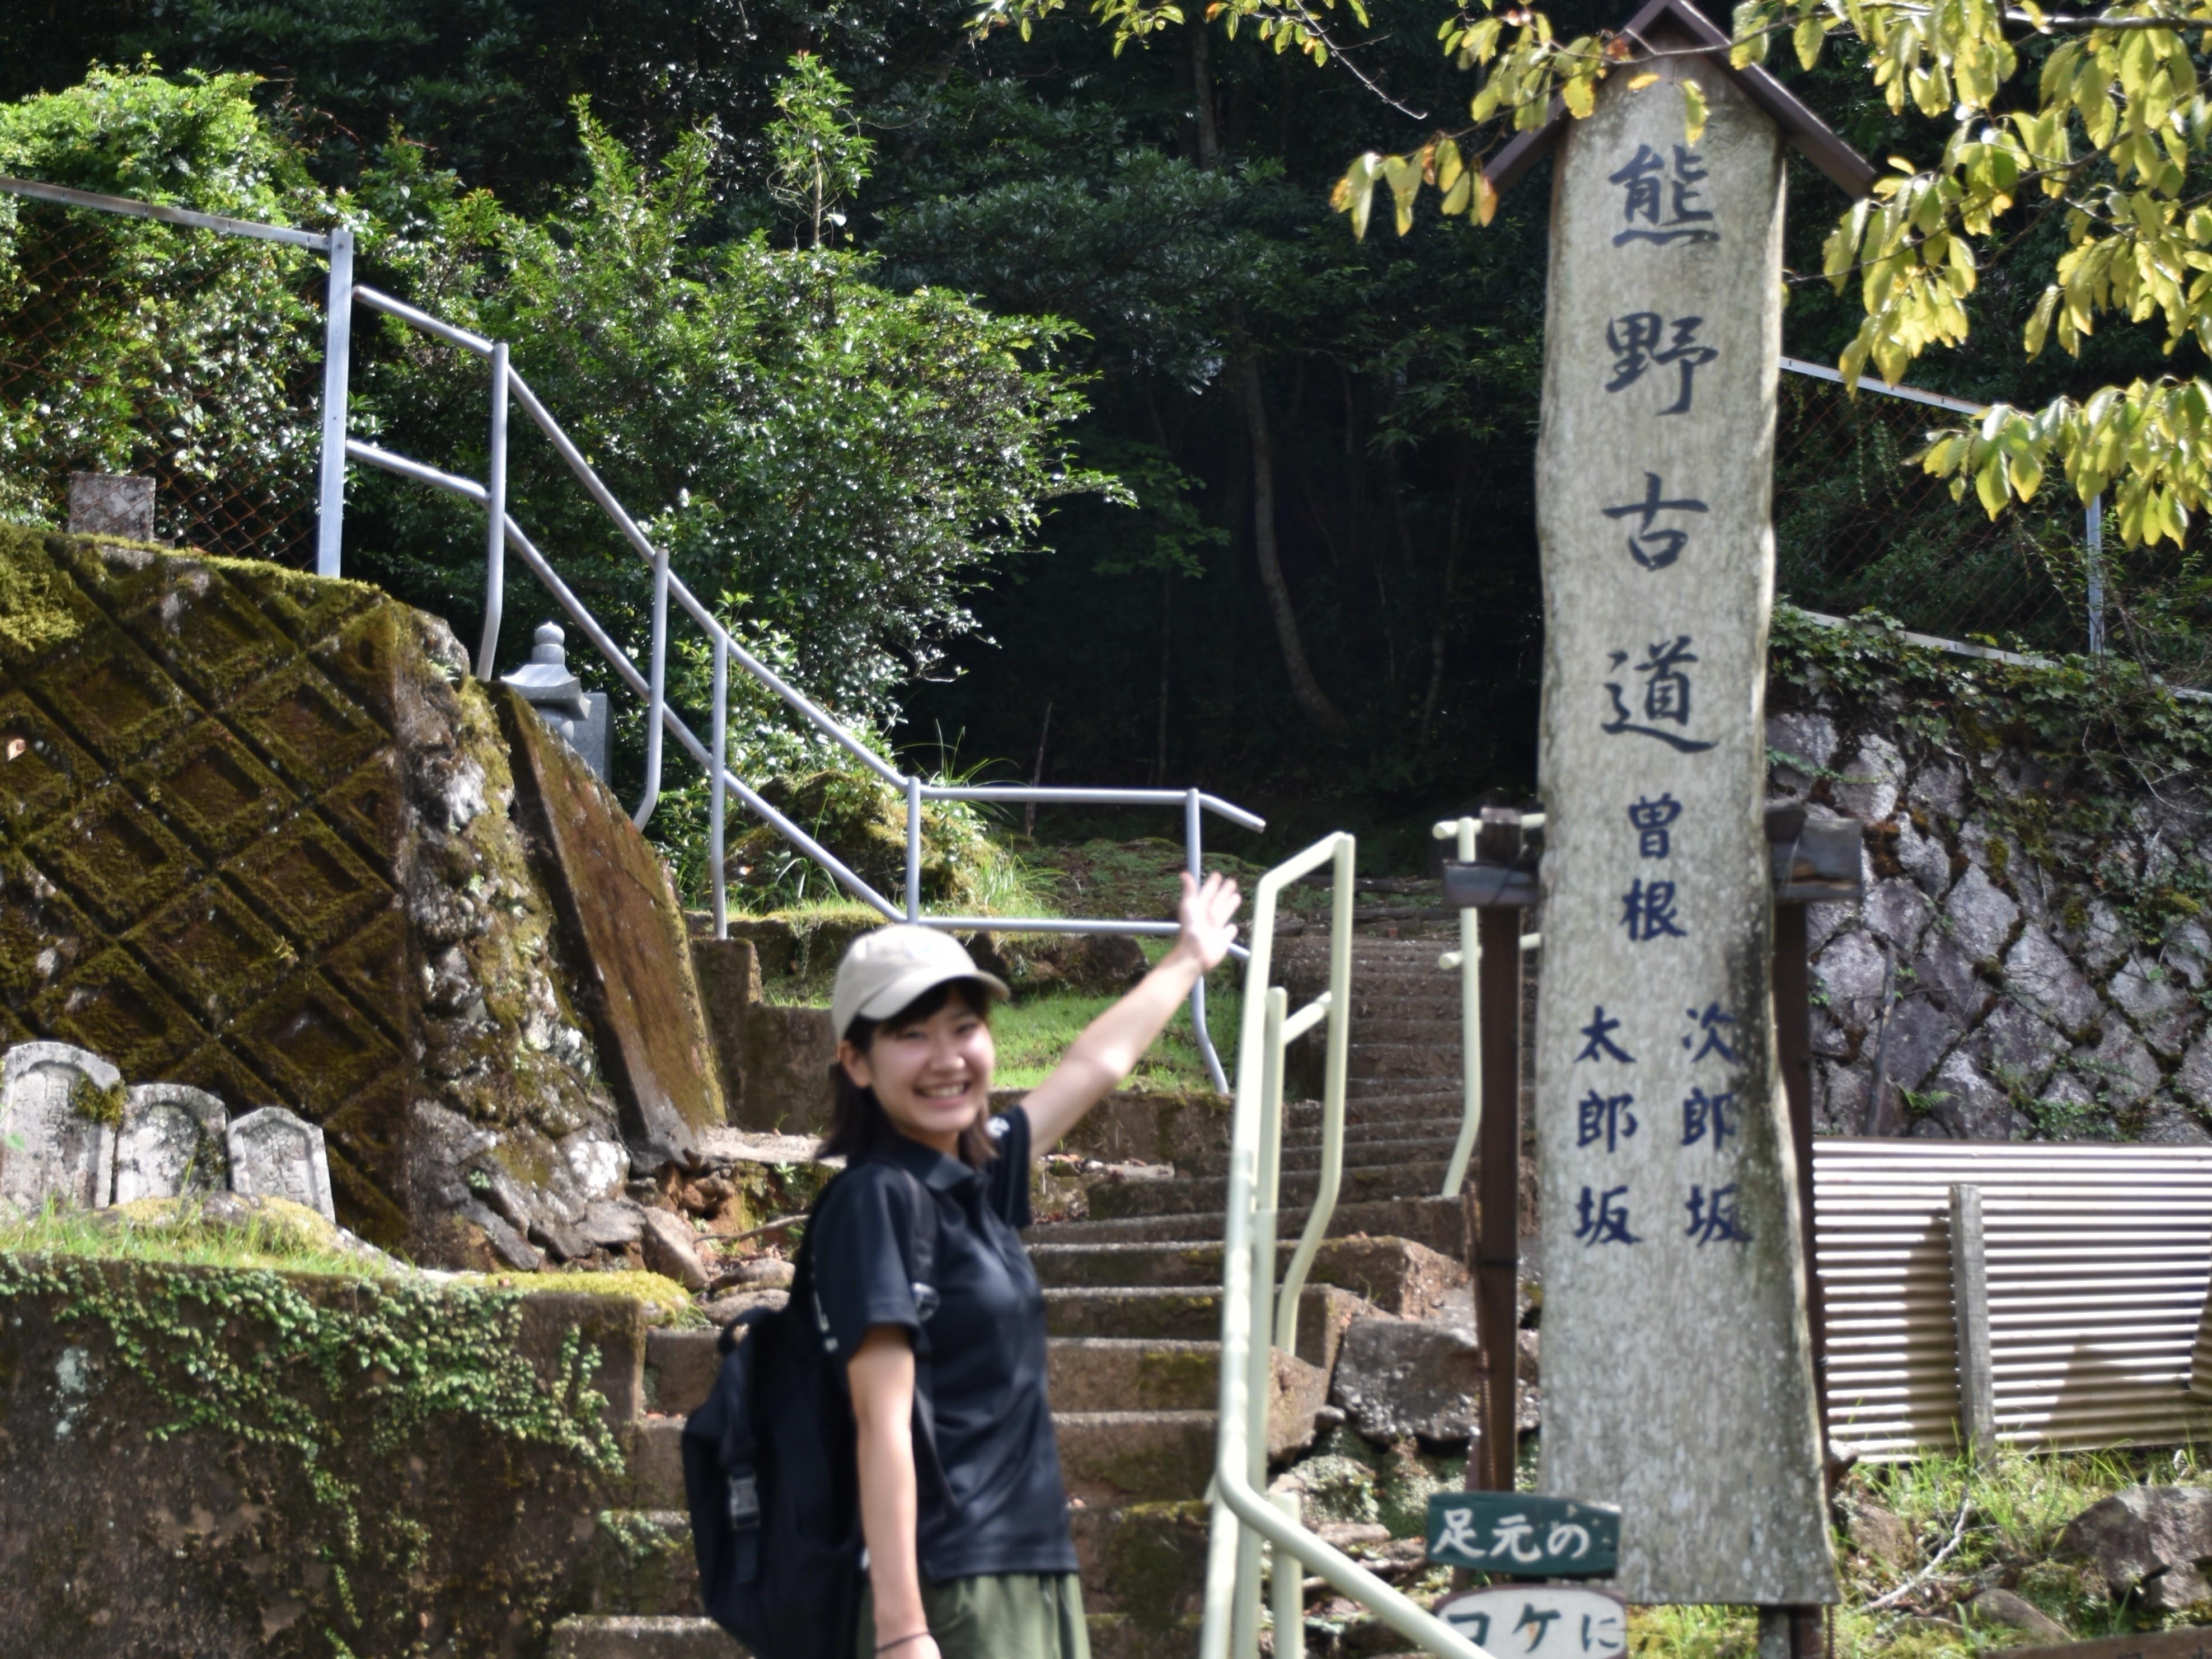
{"x": 59, "y": 1107}
{"x": 274, "y": 1153}
{"x": 1850, "y": 970}
{"x": 2176, "y": 1588}
{"x": 2141, "y": 1531}
{"x": 2015, "y": 1047}
{"x": 723, "y": 1309}
{"x": 764, "y": 1272}
{"x": 2172, "y": 1124}
{"x": 2102, "y": 941}
{"x": 2189, "y": 953}
{"x": 1924, "y": 858}
{"x": 507, "y": 1244}
{"x": 2119, "y": 1067}
{"x": 1845, "y": 1093}
{"x": 595, "y": 1163}
{"x": 1900, "y": 912}
{"x": 1824, "y": 921}
{"x": 1870, "y": 783}
{"x": 1940, "y": 788}
{"x": 1826, "y": 1035}
{"x": 2045, "y": 979}
{"x": 1947, "y": 973}
{"x": 1403, "y": 1376}
{"x": 612, "y": 1223}
{"x": 669, "y": 1250}
{"x": 1808, "y": 740}
{"x": 1970, "y": 1107}
{"x": 2161, "y": 1009}
{"x": 1920, "y": 1031}
{"x": 2009, "y": 1610}
{"x": 172, "y": 1143}
{"x": 1880, "y": 1535}
{"x": 1980, "y": 915}
{"x": 2194, "y": 1079}
{"x": 562, "y": 1243}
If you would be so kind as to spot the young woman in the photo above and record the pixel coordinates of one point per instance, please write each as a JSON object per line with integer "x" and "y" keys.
{"x": 980, "y": 1565}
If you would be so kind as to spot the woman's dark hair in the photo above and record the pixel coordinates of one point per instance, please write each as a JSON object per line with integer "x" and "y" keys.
{"x": 858, "y": 1123}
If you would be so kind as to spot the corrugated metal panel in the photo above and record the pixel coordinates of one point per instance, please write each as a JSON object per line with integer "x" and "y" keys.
{"x": 2098, "y": 1262}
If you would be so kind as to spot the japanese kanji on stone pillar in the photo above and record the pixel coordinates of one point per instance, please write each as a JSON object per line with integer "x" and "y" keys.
{"x": 1678, "y": 1377}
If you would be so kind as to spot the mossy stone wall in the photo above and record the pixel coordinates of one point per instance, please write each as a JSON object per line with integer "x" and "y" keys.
{"x": 257, "y": 835}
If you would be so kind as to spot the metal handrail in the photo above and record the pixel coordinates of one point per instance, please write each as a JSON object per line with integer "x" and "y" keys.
{"x": 502, "y": 533}
{"x": 1468, "y": 960}
{"x": 1243, "y": 1514}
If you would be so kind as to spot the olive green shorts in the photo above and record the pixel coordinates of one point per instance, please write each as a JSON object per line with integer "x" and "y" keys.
{"x": 1011, "y": 1615}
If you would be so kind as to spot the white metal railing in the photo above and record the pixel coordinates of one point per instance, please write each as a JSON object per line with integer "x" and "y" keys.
{"x": 1257, "y": 1318}
{"x": 502, "y": 533}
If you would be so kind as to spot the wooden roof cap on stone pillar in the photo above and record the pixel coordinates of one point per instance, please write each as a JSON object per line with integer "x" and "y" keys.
{"x": 1648, "y": 30}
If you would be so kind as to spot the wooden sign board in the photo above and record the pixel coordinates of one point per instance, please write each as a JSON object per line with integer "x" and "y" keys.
{"x": 1523, "y": 1534}
{"x": 2190, "y": 1641}
{"x": 1542, "y": 1621}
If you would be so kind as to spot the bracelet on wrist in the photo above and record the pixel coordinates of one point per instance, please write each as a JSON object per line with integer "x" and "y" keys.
{"x": 900, "y": 1642}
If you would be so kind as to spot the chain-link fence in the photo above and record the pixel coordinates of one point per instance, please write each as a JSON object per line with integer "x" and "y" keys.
{"x": 1859, "y": 526}
{"x": 185, "y": 354}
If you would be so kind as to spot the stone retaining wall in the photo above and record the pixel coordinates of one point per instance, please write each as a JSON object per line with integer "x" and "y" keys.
{"x": 2028, "y": 961}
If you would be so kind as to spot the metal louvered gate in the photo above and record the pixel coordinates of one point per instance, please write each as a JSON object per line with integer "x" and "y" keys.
{"x": 2099, "y": 1259}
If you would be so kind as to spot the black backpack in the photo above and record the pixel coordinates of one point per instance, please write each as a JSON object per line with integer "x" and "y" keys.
{"x": 770, "y": 1473}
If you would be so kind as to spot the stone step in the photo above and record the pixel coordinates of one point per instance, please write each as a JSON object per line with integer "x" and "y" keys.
{"x": 1424, "y": 1092}
{"x": 1145, "y": 1561}
{"x": 663, "y": 1638}
{"x": 1403, "y": 1027}
{"x": 1127, "y": 1636}
{"x": 1115, "y": 1201}
{"x": 656, "y": 1464}
{"x": 641, "y": 1562}
{"x": 1396, "y": 1275}
{"x": 1361, "y": 1153}
{"x": 1439, "y": 1223}
{"x": 1304, "y": 1136}
{"x": 1135, "y": 1456}
{"x": 1367, "y": 1115}
{"x": 1424, "y": 1060}
{"x": 1128, "y": 1373}
{"x": 1113, "y": 1635}
{"x": 1152, "y": 1313}
{"x": 680, "y": 1367}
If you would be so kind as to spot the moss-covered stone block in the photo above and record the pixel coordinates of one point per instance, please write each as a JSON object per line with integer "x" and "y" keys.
{"x": 256, "y": 836}
{"x": 225, "y": 1462}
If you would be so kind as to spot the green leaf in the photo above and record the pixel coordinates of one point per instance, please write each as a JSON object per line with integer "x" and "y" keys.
{"x": 2038, "y": 324}
{"x": 1807, "y": 38}
{"x": 1693, "y": 111}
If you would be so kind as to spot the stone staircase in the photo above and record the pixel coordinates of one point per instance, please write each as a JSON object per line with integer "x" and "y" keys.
{"x": 1133, "y": 1312}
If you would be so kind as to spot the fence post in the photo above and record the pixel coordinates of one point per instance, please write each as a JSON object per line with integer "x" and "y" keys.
{"x": 1970, "y": 1309}
{"x": 1193, "y": 811}
{"x": 914, "y": 847}
{"x": 715, "y": 806}
{"x": 337, "y": 356}
{"x": 495, "y": 520}
{"x": 2096, "y": 528}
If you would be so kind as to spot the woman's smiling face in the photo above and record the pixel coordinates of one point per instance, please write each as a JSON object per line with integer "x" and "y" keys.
{"x": 931, "y": 1076}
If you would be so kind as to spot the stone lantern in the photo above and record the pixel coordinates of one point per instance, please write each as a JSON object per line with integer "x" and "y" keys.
{"x": 578, "y": 717}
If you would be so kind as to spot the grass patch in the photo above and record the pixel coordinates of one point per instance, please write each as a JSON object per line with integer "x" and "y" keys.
{"x": 1033, "y": 1035}
{"x": 271, "y": 1233}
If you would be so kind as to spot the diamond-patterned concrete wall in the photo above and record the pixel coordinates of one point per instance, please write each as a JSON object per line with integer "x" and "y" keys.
{"x": 254, "y": 837}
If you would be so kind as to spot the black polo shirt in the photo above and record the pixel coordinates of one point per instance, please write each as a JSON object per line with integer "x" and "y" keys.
{"x": 986, "y": 1342}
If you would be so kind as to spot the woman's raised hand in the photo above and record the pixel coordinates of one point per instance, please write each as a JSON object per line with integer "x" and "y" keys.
{"x": 1205, "y": 913}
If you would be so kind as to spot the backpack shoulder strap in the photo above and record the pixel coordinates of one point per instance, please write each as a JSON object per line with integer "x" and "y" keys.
{"x": 929, "y": 1470}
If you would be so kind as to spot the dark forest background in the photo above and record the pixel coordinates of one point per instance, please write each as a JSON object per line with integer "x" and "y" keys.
{"x": 1171, "y": 202}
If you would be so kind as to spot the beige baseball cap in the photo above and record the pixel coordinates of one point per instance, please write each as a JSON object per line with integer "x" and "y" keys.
{"x": 885, "y": 969}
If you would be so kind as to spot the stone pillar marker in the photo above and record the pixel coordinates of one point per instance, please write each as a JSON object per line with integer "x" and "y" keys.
{"x": 274, "y": 1153}
{"x": 172, "y": 1143}
{"x": 1677, "y": 1363}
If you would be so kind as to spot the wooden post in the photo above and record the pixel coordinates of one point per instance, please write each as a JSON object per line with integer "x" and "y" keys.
{"x": 1677, "y": 1363}
{"x": 1970, "y": 1312}
{"x": 1497, "y": 1170}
